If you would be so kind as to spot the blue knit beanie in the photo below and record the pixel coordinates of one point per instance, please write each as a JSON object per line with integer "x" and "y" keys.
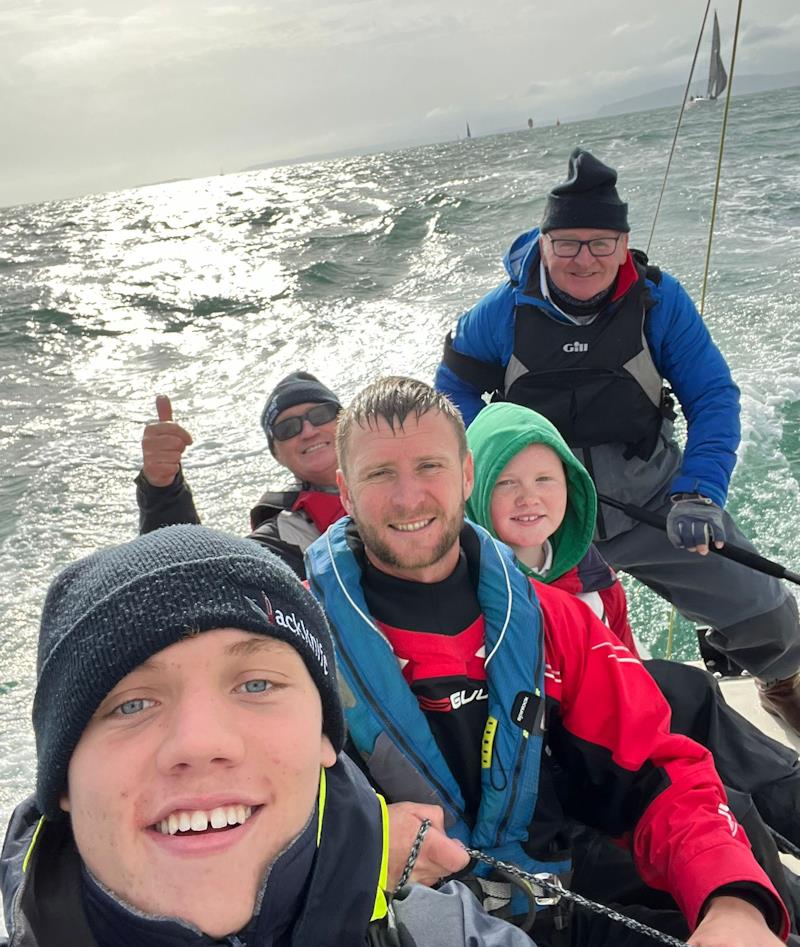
{"x": 297, "y": 388}
{"x": 106, "y": 614}
{"x": 587, "y": 199}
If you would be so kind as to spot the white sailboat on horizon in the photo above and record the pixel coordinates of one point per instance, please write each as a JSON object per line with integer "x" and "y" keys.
{"x": 717, "y": 76}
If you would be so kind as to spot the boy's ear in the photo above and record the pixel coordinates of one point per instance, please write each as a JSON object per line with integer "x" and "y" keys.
{"x": 328, "y": 754}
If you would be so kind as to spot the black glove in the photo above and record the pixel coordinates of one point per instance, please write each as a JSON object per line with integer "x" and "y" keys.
{"x": 694, "y": 520}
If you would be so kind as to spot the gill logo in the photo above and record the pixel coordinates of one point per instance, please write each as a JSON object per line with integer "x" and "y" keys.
{"x": 575, "y": 347}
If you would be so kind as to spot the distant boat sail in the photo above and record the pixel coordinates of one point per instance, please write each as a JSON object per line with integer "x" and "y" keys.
{"x": 717, "y": 77}
{"x": 469, "y": 133}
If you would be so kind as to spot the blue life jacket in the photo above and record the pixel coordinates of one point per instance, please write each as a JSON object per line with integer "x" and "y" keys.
{"x": 392, "y": 733}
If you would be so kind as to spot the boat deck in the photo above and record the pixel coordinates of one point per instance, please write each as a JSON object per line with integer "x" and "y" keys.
{"x": 740, "y": 693}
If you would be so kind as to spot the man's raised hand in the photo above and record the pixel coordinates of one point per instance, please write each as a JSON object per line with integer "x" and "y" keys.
{"x": 163, "y": 444}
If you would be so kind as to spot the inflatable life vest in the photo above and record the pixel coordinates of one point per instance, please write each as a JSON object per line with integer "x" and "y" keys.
{"x": 321, "y": 506}
{"x": 391, "y": 732}
{"x": 597, "y": 382}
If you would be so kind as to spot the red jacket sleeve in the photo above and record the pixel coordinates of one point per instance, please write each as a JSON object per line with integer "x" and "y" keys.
{"x": 632, "y": 776}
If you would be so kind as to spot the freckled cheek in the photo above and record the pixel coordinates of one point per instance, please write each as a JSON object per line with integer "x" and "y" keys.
{"x": 103, "y": 794}
{"x": 101, "y": 820}
{"x": 291, "y": 755}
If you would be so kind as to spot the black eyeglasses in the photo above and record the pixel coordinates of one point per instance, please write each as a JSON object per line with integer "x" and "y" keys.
{"x": 318, "y": 415}
{"x": 598, "y": 246}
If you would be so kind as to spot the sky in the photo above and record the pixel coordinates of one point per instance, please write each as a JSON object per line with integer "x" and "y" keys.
{"x": 107, "y": 94}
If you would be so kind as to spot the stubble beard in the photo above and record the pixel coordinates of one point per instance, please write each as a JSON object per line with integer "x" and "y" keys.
{"x": 380, "y": 551}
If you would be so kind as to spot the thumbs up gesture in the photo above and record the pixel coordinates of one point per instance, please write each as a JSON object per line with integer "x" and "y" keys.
{"x": 163, "y": 444}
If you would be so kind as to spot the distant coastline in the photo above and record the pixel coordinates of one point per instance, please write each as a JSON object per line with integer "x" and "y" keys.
{"x": 644, "y": 102}
{"x": 673, "y": 95}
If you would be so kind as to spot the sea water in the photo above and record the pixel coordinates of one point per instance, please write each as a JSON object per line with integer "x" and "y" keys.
{"x": 211, "y": 290}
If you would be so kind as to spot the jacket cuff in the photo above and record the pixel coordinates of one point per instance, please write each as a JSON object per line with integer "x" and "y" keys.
{"x": 730, "y": 866}
{"x": 754, "y": 894}
{"x": 147, "y": 488}
{"x": 683, "y": 484}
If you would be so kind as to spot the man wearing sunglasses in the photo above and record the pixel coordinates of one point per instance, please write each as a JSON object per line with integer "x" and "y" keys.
{"x": 588, "y": 334}
{"x": 299, "y": 420}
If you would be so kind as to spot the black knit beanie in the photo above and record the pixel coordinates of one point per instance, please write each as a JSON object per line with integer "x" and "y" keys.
{"x": 297, "y": 388}
{"x": 587, "y": 199}
{"x": 108, "y": 613}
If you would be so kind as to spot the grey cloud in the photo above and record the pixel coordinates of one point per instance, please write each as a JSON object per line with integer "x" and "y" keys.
{"x": 134, "y": 90}
{"x": 754, "y": 34}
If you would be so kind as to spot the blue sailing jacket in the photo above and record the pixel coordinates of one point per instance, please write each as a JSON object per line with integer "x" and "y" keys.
{"x": 392, "y": 733}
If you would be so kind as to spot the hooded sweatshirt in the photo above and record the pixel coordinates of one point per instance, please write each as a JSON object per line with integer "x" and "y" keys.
{"x": 497, "y": 435}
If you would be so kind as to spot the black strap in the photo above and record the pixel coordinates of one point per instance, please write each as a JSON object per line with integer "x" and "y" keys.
{"x": 651, "y": 272}
{"x": 485, "y": 376}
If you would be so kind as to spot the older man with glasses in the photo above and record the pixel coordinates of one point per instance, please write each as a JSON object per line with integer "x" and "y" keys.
{"x": 299, "y": 419}
{"x": 585, "y": 332}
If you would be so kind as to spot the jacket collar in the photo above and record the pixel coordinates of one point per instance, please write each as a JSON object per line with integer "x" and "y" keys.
{"x": 117, "y": 924}
{"x": 521, "y": 262}
{"x": 44, "y": 903}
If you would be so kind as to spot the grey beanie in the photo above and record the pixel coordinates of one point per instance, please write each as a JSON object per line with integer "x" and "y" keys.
{"x": 588, "y": 198}
{"x": 297, "y": 388}
{"x": 106, "y": 614}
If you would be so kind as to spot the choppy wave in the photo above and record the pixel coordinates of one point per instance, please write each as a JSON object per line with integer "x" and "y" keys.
{"x": 211, "y": 290}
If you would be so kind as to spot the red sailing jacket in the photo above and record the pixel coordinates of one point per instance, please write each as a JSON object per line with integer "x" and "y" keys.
{"x": 619, "y": 768}
{"x": 630, "y": 770}
{"x": 613, "y": 599}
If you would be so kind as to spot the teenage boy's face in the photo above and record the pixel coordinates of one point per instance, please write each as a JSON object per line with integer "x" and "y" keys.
{"x": 195, "y": 772}
{"x": 529, "y": 497}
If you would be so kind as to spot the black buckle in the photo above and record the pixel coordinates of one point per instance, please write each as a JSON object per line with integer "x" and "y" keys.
{"x": 717, "y": 662}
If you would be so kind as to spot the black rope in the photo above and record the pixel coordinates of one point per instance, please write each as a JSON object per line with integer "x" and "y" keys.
{"x": 560, "y": 891}
{"x": 554, "y": 887}
{"x": 413, "y": 855}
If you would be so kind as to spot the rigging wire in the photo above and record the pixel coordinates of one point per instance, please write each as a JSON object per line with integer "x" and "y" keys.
{"x": 670, "y": 633}
{"x": 678, "y": 126}
{"x": 719, "y": 157}
{"x": 716, "y": 188}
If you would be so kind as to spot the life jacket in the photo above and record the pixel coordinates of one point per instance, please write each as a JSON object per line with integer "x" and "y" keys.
{"x": 321, "y": 506}
{"x": 272, "y": 503}
{"x": 391, "y": 732}
{"x": 344, "y": 902}
{"x": 597, "y": 383}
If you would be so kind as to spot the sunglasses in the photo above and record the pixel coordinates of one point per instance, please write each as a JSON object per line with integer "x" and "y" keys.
{"x": 318, "y": 415}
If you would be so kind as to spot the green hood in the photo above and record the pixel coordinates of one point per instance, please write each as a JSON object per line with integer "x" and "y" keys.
{"x": 499, "y": 433}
